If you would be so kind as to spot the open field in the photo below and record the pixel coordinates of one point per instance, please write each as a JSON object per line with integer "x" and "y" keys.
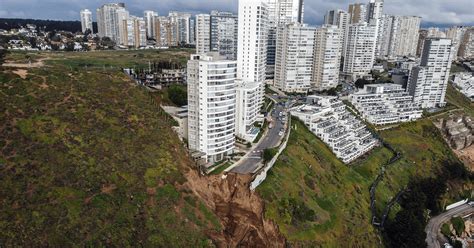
{"x": 87, "y": 160}
{"x": 335, "y": 197}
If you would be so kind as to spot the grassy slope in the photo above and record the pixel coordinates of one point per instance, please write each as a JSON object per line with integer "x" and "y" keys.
{"x": 340, "y": 196}
{"x": 456, "y": 98}
{"x": 86, "y": 160}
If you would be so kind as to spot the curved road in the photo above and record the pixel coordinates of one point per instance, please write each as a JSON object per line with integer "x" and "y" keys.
{"x": 434, "y": 238}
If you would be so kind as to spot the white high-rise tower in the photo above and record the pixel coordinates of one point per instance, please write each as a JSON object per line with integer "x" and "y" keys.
{"x": 86, "y": 20}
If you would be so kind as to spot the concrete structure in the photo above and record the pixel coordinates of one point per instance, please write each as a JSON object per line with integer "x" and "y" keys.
{"x": 224, "y": 34}
{"x": 327, "y": 57}
{"x": 252, "y": 55}
{"x": 110, "y": 19}
{"x": 134, "y": 32}
{"x": 203, "y": 33}
{"x": 294, "y": 58}
{"x": 359, "y": 55}
{"x": 358, "y": 13}
{"x": 86, "y": 20}
{"x": 458, "y": 131}
{"x": 280, "y": 13}
{"x": 329, "y": 120}
{"x": 211, "y": 106}
{"x": 428, "y": 81}
{"x": 165, "y": 32}
{"x": 182, "y": 24}
{"x": 248, "y": 97}
{"x": 180, "y": 115}
{"x": 382, "y": 104}
{"x": 466, "y": 48}
{"x": 404, "y": 36}
{"x": 456, "y": 35}
{"x": 375, "y": 17}
{"x": 149, "y": 17}
{"x": 332, "y": 17}
{"x": 464, "y": 81}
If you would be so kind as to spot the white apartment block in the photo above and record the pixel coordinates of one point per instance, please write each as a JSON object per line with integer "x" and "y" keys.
{"x": 387, "y": 24}
{"x": 110, "y": 21}
{"x": 382, "y": 104}
{"x": 404, "y": 36}
{"x": 150, "y": 23}
{"x": 248, "y": 95}
{"x": 375, "y": 16}
{"x": 211, "y": 105}
{"x": 86, "y": 20}
{"x": 327, "y": 57}
{"x": 358, "y": 13}
{"x": 359, "y": 55}
{"x": 328, "y": 119}
{"x": 294, "y": 57}
{"x": 164, "y": 32}
{"x": 203, "y": 33}
{"x": 456, "y": 35}
{"x": 464, "y": 81}
{"x": 428, "y": 81}
{"x": 224, "y": 34}
{"x": 252, "y": 51}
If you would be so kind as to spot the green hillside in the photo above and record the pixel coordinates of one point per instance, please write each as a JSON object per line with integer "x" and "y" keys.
{"x": 86, "y": 160}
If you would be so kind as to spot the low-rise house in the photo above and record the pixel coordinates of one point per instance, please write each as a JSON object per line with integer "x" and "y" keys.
{"x": 327, "y": 117}
{"x": 382, "y": 104}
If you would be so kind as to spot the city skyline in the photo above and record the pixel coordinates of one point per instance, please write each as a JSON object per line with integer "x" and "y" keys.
{"x": 440, "y": 13}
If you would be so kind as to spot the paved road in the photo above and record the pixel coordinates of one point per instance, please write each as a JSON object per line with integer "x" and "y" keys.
{"x": 434, "y": 238}
{"x": 252, "y": 161}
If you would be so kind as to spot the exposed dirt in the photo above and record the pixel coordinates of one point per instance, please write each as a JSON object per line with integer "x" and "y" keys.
{"x": 239, "y": 209}
{"x": 36, "y": 64}
{"x": 21, "y": 72}
{"x": 467, "y": 156}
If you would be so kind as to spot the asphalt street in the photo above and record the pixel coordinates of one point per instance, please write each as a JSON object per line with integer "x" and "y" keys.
{"x": 434, "y": 238}
{"x": 251, "y": 161}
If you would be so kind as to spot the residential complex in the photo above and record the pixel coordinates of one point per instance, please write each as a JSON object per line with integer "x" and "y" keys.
{"x": 428, "y": 81}
{"x": 150, "y": 23}
{"x": 110, "y": 19}
{"x": 86, "y": 20}
{"x": 359, "y": 55}
{"x": 224, "y": 34}
{"x": 382, "y": 104}
{"x": 464, "y": 81}
{"x": 248, "y": 98}
{"x": 203, "y": 33}
{"x": 403, "y": 39}
{"x": 211, "y": 105}
{"x": 327, "y": 57}
{"x": 294, "y": 57}
{"x": 375, "y": 17}
{"x": 327, "y": 118}
{"x": 358, "y": 13}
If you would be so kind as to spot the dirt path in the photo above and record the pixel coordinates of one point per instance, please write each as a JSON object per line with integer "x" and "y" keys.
{"x": 21, "y": 72}
{"x": 39, "y": 63}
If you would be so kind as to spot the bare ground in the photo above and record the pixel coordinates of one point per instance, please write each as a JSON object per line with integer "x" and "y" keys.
{"x": 467, "y": 156}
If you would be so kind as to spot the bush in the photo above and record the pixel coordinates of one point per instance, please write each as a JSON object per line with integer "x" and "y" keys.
{"x": 458, "y": 225}
{"x": 268, "y": 155}
{"x": 178, "y": 95}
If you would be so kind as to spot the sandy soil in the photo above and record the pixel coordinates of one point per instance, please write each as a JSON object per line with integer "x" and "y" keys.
{"x": 39, "y": 63}
{"x": 467, "y": 156}
{"x": 21, "y": 72}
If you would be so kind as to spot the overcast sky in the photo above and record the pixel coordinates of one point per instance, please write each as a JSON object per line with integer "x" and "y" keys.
{"x": 433, "y": 12}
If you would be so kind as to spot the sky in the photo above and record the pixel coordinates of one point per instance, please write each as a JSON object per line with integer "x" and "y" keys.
{"x": 434, "y": 12}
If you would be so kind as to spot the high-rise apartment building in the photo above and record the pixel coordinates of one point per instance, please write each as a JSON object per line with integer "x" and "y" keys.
{"x": 428, "y": 81}
{"x": 182, "y": 22}
{"x": 203, "y": 33}
{"x": 164, "y": 30}
{"x": 110, "y": 19}
{"x": 150, "y": 23}
{"x": 375, "y": 17}
{"x": 86, "y": 20}
{"x": 359, "y": 54}
{"x": 224, "y": 34}
{"x": 134, "y": 32}
{"x": 294, "y": 57}
{"x": 404, "y": 36}
{"x": 252, "y": 51}
{"x": 327, "y": 57}
{"x": 456, "y": 35}
{"x": 358, "y": 13}
{"x": 211, "y": 105}
{"x": 422, "y": 35}
{"x": 280, "y": 13}
{"x": 466, "y": 48}
{"x": 386, "y": 35}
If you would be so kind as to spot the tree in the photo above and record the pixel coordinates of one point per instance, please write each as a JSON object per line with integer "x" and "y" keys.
{"x": 361, "y": 82}
{"x": 406, "y": 230}
{"x": 32, "y": 41}
{"x": 177, "y": 95}
{"x": 69, "y": 46}
{"x": 458, "y": 225}
{"x": 107, "y": 43}
{"x": 268, "y": 155}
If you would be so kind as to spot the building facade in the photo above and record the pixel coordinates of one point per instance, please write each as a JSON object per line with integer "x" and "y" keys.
{"x": 359, "y": 54}
{"x": 86, "y": 20}
{"x": 428, "y": 81}
{"x": 110, "y": 19}
{"x": 203, "y": 33}
{"x": 211, "y": 106}
{"x": 404, "y": 36}
{"x": 294, "y": 57}
{"x": 327, "y": 57}
{"x": 149, "y": 17}
{"x": 382, "y": 104}
{"x": 358, "y": 13}
{"x": 224, "y": 34}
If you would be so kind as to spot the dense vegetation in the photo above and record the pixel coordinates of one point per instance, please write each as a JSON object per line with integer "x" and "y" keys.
{"x": 46, "y": 25}
{"x": 86, "y": 160}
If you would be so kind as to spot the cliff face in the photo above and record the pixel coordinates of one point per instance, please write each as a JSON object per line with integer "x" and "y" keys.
{"x": 239, "y": 210}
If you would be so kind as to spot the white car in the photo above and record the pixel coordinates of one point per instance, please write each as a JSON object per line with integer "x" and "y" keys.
{"x": 280, "y": 133}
